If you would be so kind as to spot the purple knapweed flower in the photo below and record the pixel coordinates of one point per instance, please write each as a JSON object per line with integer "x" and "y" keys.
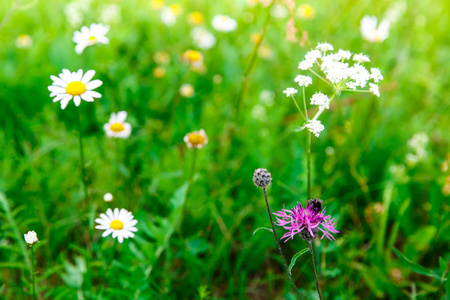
{"x": 306, "y": 221}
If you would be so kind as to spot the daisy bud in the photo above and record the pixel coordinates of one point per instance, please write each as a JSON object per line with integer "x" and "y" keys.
{"x": 315, "y": 204}
{"x": 31, "y": 238}
{"x": 261, "y": 178}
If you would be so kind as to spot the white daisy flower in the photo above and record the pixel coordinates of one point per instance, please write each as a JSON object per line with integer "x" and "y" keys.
{"x": 320, "y": 99}
{"x": 74, "y": 85}
{"x": 374, "y": 89}
{"x": 303, "y": 80}
{"x": 120, "y": 223}
{"x": 324, "y": 47}
{"x": 371, "y": 32}
{"x": 375, "y": 74}
{"x": 315, "y": 127}
{"x": 31, "y": 238}
{"x": 224, "y": 23}
{"x": 95, "y": 34}
{"x": 108, "y": 197}
{"x": 290, "y": 91}
{"x": 196, "y": 139}
{"x": 203, "y": 38}
{"x": 117, "y": 127}
{"x": 361, "y": 58}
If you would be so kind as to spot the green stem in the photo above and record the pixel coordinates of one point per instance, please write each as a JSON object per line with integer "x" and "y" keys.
{"x": 309, "y": 164}
{"x": 314, "y": 269}
{"x": 251, "y": 63}
{"x": 304, "y": 103}
{"x": 298, "y": 107}
{"x": 32, "y": 273}
{"x": 320, "y": 77}
{"x": 279, "y": 247}
{"x": 194, "y": 160}
{"x": 83, "y": 171}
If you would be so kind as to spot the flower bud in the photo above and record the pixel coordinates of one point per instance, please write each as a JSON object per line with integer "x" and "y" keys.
{"x": 261, "y": 178}
{"x": 31, "y": 238}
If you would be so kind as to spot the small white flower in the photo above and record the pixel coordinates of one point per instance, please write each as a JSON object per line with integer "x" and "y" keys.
{"x": 419, "y": 140}
{"x": 371, "y": 32}
{"x": 168, "y": 16}
{"x": 120, "y": 223}
{"x": 279, "y": 11}
{"x": 375, "y": 74}
{"x": 306, "y": 64}
{"x": 110, "y": 14}
{"x": 117, "y": 127}
{"x": 374, "y": 89}
{"x": 224, "y": 23}
{"x": 290, "y": 91}
{"x": 31, "y": 238}
{"x": 315, "y": 127}
{"x": 359, "y": 74}
{"x": 320, "y": 99}
{"x": 196, "y": 139}
{"x": 344, "y": 54}
{"x": 267, "y": 97}
{"x": 259, "y": 112}
{"x": 187, "y": 90}
{"x": 361, "y": 58}
{"x": 313, "y": 55}
{"x": 24, "y": 41}
{"x": 351, "y": 85}
{"x": 108, "y": 197}
{"x": 95, "y": 34}
{"x": 203, "y": 38}
{"x": 74, "y": 85}
{"x": 303, "y": 80}
{"x": 324, "y": 47}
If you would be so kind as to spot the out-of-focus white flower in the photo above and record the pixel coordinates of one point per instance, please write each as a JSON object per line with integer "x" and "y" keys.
{"x": 224, "y": 23}
{"x": 371, "y": 32}
{"x": 108, "y": 197}
{"x": 168, "y": 17}
{"x": 259, "y": 112}
{"x": 321, "y": 100}
{"x": 74, "y": 85}
{"x": 203, "y": 38}
{"x": 279, "y": 11}
{"x": 110, "y": 14}
{"x": 31, "y": 238}
{"x": 361, "y": 58}
{"x": 74, "y": 11}
{"x": 396, "y": 11}
{"x": 375, "y": 74}
{"x": 120, "y": 223}
{"x": 344, "y": 54}
{"x": 324, "y": 47}
{"x": 24, "y": 41}
{"x": 290, "y": 91}
{"x": 313, "y": 55}
{"x": 303, "y": 80}
{"x": 419, "y": 140}
{"x": 315, "y": 127}
{"x": 305, "y": 64}
{"x": 196, "y": 139}
{"x": 374, "y": 89}
{"x": 267, "y": 97}
{"x": 95, "y": 34}
{"x": 187, "y": 90}
{"x": 117, "y": 127}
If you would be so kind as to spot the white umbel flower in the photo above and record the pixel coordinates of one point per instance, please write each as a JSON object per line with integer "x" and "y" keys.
{"x": 315, "y": 127}
{"x": 344, "y": 54}
{"x": 224, "y": 23}
{"x": 290, "y": 91}
{"x": 303, "y": 80}
{"x": 74, "y": 85}
{"x": 321, "y": 100}
{"x": 306, "y": 64}
{"x": 361, "y": 58}
{"x": 117, "y": 127}
{"x": 324, "y": 47}
{"x": 374, "y": 89}
{"x": 120, "y": 223}
{"x": 203, "y": 38}
{"x": 196, "y": 139}
{"x": 95, "y": 34}
{"x": 371, "y": 32}
{"x": 375, "y": 74}
{"x": 31, "y": 238}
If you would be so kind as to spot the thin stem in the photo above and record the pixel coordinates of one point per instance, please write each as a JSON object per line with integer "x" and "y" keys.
{"x": 32, "y": 272}
{"x": 279, "y": 247}
{"x": 251, "y": 63}
{"x": 358, "y": 91}
{"x": 83, "y": 171}
{"x": 304, "y": 103}
{"x": 320, "y": 77}
{"x": 314, "y": 269}
{"x": 309, "y": 164}
{"x": 296, "y": 104}
{"x": 194, "y": 160}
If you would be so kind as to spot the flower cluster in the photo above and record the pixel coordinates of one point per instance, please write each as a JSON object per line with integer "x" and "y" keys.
{"x": 306, "y": 221}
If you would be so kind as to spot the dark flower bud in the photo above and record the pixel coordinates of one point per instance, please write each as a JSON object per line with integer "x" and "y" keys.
{"x": 305, "y": 235}
{"x": 261, "y": 178}
{"x": 315, "y": 204}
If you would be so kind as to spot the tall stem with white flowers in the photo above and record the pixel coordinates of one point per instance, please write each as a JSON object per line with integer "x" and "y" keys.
{"x": 83, "y": 171}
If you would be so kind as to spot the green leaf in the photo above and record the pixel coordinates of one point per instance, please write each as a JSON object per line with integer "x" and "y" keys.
{"x": 294, "y": 258}
{"x": 414, "y": 266}
{"x": 13, "y": 265}
{"x": 266, "y": 228}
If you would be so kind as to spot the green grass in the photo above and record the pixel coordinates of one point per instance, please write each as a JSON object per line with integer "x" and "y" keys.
{"x": 195, "y": 240}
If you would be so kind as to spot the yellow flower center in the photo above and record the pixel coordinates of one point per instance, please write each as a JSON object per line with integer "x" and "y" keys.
{"x": 117, "y": 127}
{"x": 377, "y": 36}
{"x": 116, "y": 224}
{"x": 196, "y": 138}
{"x": 176, "y": 9}
{"x": 193, "y": 56}
{"x": 306, "y": 11}
{"x": 75, "y": 88}
{"x": 92, "y": 39}
{"x": 159, "y": 72}
{"x": 157, "y": 4}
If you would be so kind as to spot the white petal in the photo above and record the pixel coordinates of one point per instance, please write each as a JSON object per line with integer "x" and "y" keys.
{"x": 120, "y": 238}
{"x": 58, "y": 81}
{"x": 121, "y": 116}
{"x": 65, "y": 101}
{"x": 88, "y": 76}
{"x": 87, "y": 98}
{"x": 93, "y": 84}
{"x": 77, "y": 100}
{"x": 107, "y": 232}
{"x": 93, "y": 94}
{"x": 116, "y": 213}
{"x": 79, "y": 48}
{"x": 110, "y": 214}
{"x": 78, "y": 75}
{"x": 56, "y": 89}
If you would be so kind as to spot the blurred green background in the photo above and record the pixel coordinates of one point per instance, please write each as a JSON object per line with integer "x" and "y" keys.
{"x": 363, "y": 167}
